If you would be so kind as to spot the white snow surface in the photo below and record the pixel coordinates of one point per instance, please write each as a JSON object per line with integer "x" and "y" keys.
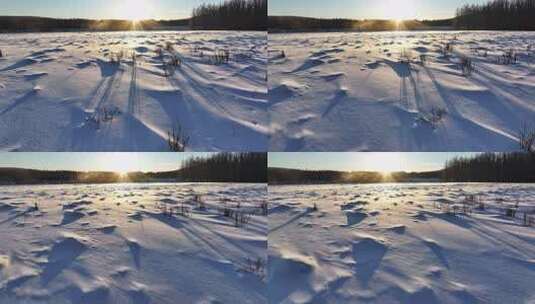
{"x": 352, "y": 91}
{"x": 389, "y": 243}
{"x": 51, "y": 84}
{"x": 112, "y": 244}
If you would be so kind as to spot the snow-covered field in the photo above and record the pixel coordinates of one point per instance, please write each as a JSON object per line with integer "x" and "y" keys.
{"x": 112, "y": 244}
{"x": 53, "y": 87}
{"x": 355, "y": 91}
{"x": 390, "y": 243}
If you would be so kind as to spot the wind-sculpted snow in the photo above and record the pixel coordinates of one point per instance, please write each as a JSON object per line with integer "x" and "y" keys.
{"x": 400, "y": 91}
{"x": 402, "y": 243}
{"x": 120, "y": 244}
{"x": 64, "y": 92}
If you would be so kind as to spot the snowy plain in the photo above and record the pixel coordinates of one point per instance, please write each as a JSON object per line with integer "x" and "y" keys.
{"x": 356, "y": 91}
{"x": 391, "y": 243}
{"x": 112, "y": 244}
{"x": 53, "y": 85}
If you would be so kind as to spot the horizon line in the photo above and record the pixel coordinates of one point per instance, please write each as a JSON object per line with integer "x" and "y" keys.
{"x": 353, "y": 171}
{"x": 362, "y": 19}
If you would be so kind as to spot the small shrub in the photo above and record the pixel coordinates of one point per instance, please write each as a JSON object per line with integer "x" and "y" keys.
{"x": 467, "y": 66}
{"x": 406, "y": 56}
{"x": 201, "y": 205}
{"x": 102, "y": 116}
{"x": 435, "y": 116}
{"x": 264, "y": 208}
{"x": 255, "y": 266}
{"x": 526, "y": 138}
{"x": 177, "y": 140}
{"x": 315, "y": 207}
{"x": 159, "y": 52}
{"x": 528, "y": 220}
{"x": 107, "y": 115}
{"x": 423, "y": 59}
{"x": 116, "y": 57}
{"x": 220, "y": 57}
{"x": 508, "y": 57}
{"x": 227, "y": 212}
{"x": 183, "y": 210}
{"x": 169, "y": 46}
{"x": 447, "y": 49}
{"x": 510, "y": 212}
{"x": 241, "y": 219}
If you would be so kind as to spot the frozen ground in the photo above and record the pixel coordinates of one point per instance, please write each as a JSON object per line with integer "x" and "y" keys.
{"x": 355, "y": 91}
{"x": 112, "y": 244}
{"x": 52, "y": 86}
{"x": 391, "y": 243}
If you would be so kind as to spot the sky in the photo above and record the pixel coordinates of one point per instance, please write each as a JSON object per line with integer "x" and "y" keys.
{"x": 369, "y": 9}
{"x": 118, "y": 162}
{"x": 369, "y": 161}
{"x": 102, "y": 9}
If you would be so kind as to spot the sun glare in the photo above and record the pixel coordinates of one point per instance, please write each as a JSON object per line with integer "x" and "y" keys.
{"x": 385, "y": 163}
{"x": 119, "y": 163}
{"x": 134, "y": 10}
{"x": 398, "y": 10}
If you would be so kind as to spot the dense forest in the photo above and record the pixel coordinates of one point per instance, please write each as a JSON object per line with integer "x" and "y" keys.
{"x": 290, "y": 23}
{"x": 497, "y": 15}
{"x": 236, "y": 167}
{"x": 231, "y": 14}
{"x": 492, "y": 167}
{"x": 223, "y": 167}
{"x": 293, "y": 176}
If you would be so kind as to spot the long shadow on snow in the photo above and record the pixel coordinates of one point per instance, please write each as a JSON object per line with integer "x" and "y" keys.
{"x": 368, "y": 255}
{"x": 133, "y": 94}
{"x": 19, "y": 101}
{"x": 89, "y": 139}
{"x": 220, "y": 118}
{"x": 20, "y": 64}
{"x": 482, "y": 133}
{"x": 293, "y": 219}
{"x": 61, "y": 256}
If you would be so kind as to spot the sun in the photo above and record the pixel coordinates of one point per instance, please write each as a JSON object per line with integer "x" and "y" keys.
{"x": 119, "y": 162}
{"x": 397, "y": 10}
{"x": 384, "y": 163}
{"x": 134, "y": 10}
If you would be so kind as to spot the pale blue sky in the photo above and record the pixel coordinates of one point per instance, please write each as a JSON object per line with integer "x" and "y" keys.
{"x": 369, "y": 9}
{"x": 121, "y": 162}
{"x": 101, "y": 9}
{"x": 409, "y": 162}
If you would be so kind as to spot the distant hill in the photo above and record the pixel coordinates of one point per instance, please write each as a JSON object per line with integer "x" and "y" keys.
{"x": 295, "y": 23}
{"x": 294, "y": 176}
{"x": 42, "y": 24}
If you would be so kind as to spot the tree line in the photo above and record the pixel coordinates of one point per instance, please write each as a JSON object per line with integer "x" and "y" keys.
{"x": 226, "y": 167}
{"x": 295, "y": 176}
{"x": 492, "y": 167}
{"x": 222, "y": 167}
{"x": 497, "y": 15}
{"x": 28, "y": 176}
{"x": 291, "y": 23}
{"x": 232, "y": 15}
{"x": 40, "y": 24}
